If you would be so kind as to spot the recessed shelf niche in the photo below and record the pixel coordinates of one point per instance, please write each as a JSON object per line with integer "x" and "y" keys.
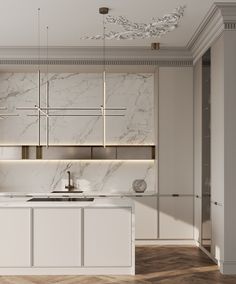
{"x": 98, "y": 152}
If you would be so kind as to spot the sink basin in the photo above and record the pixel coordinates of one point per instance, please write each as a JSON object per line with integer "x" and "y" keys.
{"x": 61, "y": 199}
{"x": 66, "y": 191}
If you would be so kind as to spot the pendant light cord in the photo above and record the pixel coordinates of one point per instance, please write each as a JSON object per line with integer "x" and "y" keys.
{"x": 104, "y": 84}
{"x": 104, "y": 44}
{"x": 47, "y": 30}
{"x": 38, "y": 39}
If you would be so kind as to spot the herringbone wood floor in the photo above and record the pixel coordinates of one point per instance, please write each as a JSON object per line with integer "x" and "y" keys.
{"x": 154, "y": 264}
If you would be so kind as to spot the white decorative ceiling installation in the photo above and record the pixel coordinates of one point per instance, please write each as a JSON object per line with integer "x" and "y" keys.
{"x": 157, "y": 28}
{"x": 69, "y": 21}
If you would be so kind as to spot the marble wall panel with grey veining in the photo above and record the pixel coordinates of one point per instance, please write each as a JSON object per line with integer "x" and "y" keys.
{"x": 99, "y": 176}
{"x": 132, "y": 91}
{"x": 17, "y": 90}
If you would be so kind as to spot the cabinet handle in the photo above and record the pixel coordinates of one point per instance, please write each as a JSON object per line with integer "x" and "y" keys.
{"x": 217, "y": 203}
{"x": 175, "y": 195}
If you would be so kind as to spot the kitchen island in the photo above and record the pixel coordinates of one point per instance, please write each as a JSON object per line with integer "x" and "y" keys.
{"x": 66, "y": 236}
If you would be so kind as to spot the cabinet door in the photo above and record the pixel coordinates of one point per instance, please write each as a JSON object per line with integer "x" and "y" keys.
{"x": 175, "y": 130}
{"x": 176, "y": 217}
{"x": 146, "y": 217}
{"x": 197, "y": 219}
{"x": 15, "y": 237}
{"x": 107, "y": 237}
{"x": 217, "y": 231}
{"x": 57, "y": 237}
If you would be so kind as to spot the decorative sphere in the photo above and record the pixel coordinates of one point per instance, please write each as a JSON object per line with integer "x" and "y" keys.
{"x": 139, "y": 185}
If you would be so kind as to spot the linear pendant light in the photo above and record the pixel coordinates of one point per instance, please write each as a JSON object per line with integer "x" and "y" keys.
{"x": 45, "y": 111}
{"x": 47, "y": 99}
{"x": 104, "y": 11}
{"x": 39, "y": 81}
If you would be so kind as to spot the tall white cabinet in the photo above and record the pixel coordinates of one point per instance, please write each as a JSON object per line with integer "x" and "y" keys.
{"x": 175, "y": 151}
{"x": 170, "y": 215}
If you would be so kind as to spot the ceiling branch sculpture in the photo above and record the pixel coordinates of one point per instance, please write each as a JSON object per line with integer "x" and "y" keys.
{"x": 157, "y": 27}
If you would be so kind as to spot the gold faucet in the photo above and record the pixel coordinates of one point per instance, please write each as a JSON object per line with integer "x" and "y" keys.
{"x": 70, "y": 187}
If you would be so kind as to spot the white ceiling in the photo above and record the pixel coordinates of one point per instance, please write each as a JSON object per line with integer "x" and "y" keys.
{"x": 69, "y": 20}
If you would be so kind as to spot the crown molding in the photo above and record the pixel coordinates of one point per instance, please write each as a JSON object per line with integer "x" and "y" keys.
{"x": 94, "y": 56}
{"x": 209, "y": 30}
{"x": 96, "y": 52}
{"x": 221, "y": 17}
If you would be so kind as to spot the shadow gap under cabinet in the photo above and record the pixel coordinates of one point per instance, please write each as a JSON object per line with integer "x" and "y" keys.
{"x": 81, "y": 152}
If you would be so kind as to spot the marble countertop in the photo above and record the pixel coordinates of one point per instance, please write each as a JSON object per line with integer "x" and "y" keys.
{"x": 74, "y": 194}
{"x": 22, "y": 201}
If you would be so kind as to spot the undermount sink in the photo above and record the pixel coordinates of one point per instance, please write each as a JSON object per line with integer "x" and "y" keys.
{"x": 61, "y": 199}
{"x": 66, "y": 191}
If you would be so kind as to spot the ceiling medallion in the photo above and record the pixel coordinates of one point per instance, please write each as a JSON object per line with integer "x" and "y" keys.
{"x": 157, "y": 28}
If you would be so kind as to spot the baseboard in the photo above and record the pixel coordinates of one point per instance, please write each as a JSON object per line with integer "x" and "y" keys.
{"x": 165, "y": 242}
{"x": 225, "y": 267}
{"x": 228, "y": 267}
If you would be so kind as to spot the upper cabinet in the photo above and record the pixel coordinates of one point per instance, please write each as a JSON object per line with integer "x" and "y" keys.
{"x": 67, "y": 93}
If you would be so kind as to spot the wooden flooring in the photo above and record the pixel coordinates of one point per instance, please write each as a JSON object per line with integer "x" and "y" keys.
{"x": 154, "y": 264}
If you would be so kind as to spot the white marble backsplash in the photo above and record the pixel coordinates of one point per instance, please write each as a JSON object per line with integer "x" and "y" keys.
{"x": 99, "y": 176}
{"x": 133, "y": 91}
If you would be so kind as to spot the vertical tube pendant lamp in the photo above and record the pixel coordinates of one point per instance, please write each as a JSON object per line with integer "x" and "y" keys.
{"x": 104, "y": 11}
